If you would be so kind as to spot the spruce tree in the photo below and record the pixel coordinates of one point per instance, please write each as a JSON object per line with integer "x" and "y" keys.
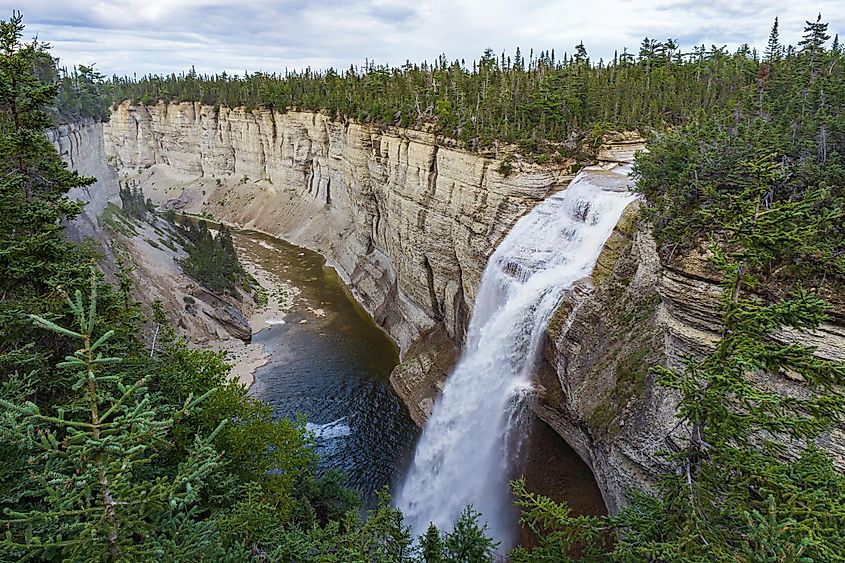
{"x": 773, "y": 47}
{"x": 431, "y": 545}
{"x": 33, "y": 179}
{"x": 815, "y": 36}
{"x": 812, "y": 42}
{"x": 468, "y": 541}
{"x": 92, "y": 459}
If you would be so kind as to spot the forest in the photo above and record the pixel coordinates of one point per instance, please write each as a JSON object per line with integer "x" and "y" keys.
{"x": 121, "y": 447}
{"x": 547, "y": 105}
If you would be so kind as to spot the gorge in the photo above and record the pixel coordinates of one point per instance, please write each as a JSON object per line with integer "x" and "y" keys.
{"x": 409, "y": 222}
{"x": 524, "y": 307}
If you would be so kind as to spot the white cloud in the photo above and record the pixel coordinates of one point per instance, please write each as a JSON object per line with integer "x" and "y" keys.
{"x": 125, "y": 36}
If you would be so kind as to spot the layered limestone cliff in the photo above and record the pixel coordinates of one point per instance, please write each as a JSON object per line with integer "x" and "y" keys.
{"x": 154, "y": 267}
{"x": 634, "y": 312}
{"x": 81, "y": 144}
{"x": 407, "y": 221}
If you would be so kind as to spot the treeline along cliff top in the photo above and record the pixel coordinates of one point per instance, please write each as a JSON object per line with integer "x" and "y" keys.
{"x": 543, "y": 101}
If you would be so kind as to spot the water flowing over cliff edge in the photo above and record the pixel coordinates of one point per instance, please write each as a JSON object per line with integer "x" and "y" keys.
{"x": 467, "y": 446}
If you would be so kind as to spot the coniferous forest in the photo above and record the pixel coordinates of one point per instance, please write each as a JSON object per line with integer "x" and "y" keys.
{"x": 120, "y": 446}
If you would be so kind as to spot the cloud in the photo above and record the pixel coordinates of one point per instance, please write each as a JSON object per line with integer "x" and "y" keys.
{"x": 162, "y": 36}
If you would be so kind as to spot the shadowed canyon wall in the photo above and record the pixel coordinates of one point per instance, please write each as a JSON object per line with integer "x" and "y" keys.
{"x": 82, "y": 145}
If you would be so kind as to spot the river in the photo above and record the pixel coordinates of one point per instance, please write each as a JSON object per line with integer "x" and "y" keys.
{"x": 330, "y": 362}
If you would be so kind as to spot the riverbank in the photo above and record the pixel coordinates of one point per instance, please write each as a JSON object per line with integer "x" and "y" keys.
{"x": 281, "y": 295}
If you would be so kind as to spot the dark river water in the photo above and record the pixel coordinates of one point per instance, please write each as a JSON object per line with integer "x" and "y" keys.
{"x": 330, "y": 362}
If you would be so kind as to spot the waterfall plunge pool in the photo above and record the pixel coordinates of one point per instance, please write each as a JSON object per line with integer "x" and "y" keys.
{"x": 334, "y": 368}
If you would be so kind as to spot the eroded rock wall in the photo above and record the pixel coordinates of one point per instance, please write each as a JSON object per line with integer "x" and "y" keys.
{"x": 596, "y": 390}
{"x": 633, "y": 313}
{"x": 157, "y": 274}
{"x": 81, "y": 144}
{"x": 408, "y": 221}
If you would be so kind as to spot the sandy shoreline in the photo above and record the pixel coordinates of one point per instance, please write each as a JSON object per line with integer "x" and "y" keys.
{"x": 247, "y": 358}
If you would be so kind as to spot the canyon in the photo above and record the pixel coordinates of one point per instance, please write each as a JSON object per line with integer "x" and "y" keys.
{"x": 409, "y": 221}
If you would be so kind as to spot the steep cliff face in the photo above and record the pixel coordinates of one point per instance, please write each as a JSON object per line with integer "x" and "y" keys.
{"x": 158, "y": 276}
{"x": 81, "y": 145}
{"x": 596, "y": 390}
{"x": 408, "y": 222}
{"x": 632, "y": 313}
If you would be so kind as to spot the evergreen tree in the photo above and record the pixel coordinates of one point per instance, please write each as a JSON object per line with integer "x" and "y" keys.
{"x": 33, "y": 180}
{"x": 431, "y": 546}
{"x": 812, "y": 42}
{"x": 212, "y": 260}
{"x": 133, "y": 203}
{"x": 468, "y": 542}
{"x": 82, "y": 94}
{"x": 90, "y": 462}
{"x": 815, "y": 36}
{"x": 773, "y": 47}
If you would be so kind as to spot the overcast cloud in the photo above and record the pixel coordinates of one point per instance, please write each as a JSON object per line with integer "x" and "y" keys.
{"x": 162, "y": 36}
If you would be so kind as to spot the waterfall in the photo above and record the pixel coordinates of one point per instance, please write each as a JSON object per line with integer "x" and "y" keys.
{"x": 462, "y": 456}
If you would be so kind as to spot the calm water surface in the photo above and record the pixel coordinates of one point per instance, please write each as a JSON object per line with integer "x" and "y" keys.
{"x": 331, "y": 363}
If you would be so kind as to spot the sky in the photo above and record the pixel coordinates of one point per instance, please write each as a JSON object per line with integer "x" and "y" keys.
{"x": 162, "y": 36}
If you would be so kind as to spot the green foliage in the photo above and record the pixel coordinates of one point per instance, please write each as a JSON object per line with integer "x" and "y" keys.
{"x": 212, "y": 260}
{"x": 746, "y": 481}
{"x": 152, "y": 455}
{"x": 559, "y": 533}
{"x": 432, "y": 549}
{"x": 83, "y": 93}
{"x": 381, "y": 537}
{"x": 741, "y": 504}
{"x": 542, "y": 103}
{"x": 33, "y": 179}
{"x": 91, "y": 491}
{"x": 468, "y": 542}
{"x": 757, "y": 231}
{"x": 37, "y": 267}
{"x": 788, "y": 132}
{"x": 134, "y": 204}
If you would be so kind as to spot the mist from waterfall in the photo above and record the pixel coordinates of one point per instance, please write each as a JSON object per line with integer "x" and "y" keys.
{"x": 465, "y": 451}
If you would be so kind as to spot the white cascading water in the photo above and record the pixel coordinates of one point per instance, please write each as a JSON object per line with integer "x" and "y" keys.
{"x": 462, "y": 456}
